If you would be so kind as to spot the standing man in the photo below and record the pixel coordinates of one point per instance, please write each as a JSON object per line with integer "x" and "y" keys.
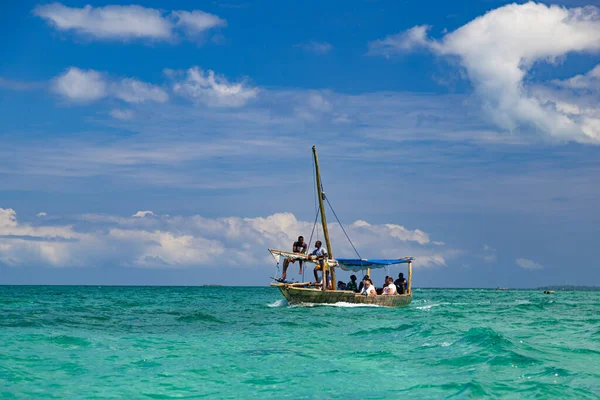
{"x": 320, "y": 254}
{"x": 297, "y": 247}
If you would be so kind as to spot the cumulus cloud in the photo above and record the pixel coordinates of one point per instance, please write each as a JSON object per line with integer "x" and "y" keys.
{"x": 316, "y": 47}
{"x": 26, "y": 244}
{"x": 195, "y": 241}
{"x": 528, "y": 264}
{"x": 499, "y": 49}
{"x": 212, "y": 90}
{"x": 79, "y": 85}
{"x": 126, "y": 22}
{"x": 588, "y": 82}
{"x": 142, "y": 214}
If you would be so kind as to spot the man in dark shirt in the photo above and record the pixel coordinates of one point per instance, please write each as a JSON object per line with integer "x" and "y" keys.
{"x": 400, "y": 283}
{"x": 297, "y": 247}
{"x": 352, "y": 284}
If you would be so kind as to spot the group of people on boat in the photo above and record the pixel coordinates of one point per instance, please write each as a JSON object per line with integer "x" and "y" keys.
{"x": 319, "y": 254}
{"x": 366, "y": 286}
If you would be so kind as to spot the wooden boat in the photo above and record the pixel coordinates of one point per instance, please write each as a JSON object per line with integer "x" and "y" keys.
{"x": 314, "y": 293}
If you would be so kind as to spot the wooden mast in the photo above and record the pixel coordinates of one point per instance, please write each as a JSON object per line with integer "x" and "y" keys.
{"x": 409, "y": 277}
{"x": 324, "y": 223}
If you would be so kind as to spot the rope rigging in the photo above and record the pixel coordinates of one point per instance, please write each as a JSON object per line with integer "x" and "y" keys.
{"x": 342, "y": 226}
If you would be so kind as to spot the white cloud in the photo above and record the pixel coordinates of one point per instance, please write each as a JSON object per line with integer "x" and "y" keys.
{"x": 196, "y": 22}
{"x": 213, "y": 90}
{"x": 134, "y": 91}
{"x": 401, "y": 42}
{"x": 88, "y": 85}
{"x": 528, "y": 264}
{"x": 41, "y": 214}
{"x": 25, "y": 244}
{"x": 317, "y": 102}
{"x": 142, "y": 214}
{"x": 589, "y": 81}
{"x": 499, "y": 49}
{"x": 316, "y": 47}
{"x": 126, "y": 22}
{"x": 195, "y": 241}
{"x": 80, "y": 85}
{"x": 8, "y": 217}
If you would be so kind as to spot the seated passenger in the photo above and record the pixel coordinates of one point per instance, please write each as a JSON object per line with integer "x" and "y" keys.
{"x": 298, "y": 247}
{"x": 362, "y": 283}
{"x": 352, "y": 284}
{"x": 368, "y": 288}
{"x": 390, "y": 288}
{"x": 341, "y": 285}
{"x": 401, "y": 284}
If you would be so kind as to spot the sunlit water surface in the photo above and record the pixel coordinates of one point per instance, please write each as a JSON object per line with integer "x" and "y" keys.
{"x": 220, "y": 342}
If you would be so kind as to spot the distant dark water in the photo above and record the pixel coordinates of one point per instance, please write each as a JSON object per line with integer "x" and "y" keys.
{"x": 221, "y": 342}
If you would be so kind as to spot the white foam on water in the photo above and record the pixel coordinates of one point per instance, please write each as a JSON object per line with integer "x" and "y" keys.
{"x": 341, "y": 304}
{"x": 427, "y": 307}
{"x": 278, "y": 303}
{"x": 521, "y": 302}
{"x": 344, "y": 304}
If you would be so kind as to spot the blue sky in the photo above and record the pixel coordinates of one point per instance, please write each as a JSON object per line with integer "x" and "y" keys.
{"x": 170, "y": 142}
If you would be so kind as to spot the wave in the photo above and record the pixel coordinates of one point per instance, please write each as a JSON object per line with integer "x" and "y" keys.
{"x": 379, "y": 331}
{"x": 69, "y": 341}
{"x": 485, "y": 337}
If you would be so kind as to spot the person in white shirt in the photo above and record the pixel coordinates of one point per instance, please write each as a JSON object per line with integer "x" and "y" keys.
{"x": 390, "y": 288}
{"x": 368, "y": 288}
{"x": 319, "y": 254}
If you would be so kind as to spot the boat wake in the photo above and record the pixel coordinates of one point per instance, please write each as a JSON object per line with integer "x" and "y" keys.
{"x": 429, "y": 306}
{"x": 341, "y": 304}
{"x": 278, "y": 303}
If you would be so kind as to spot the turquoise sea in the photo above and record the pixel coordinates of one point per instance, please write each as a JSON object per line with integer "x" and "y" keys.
{"x": 241, "y": 342}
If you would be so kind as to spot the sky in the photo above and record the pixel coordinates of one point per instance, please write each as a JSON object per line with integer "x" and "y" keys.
{"x": 169, "y": 143}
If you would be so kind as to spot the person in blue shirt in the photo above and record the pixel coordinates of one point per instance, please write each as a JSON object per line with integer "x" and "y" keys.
{"x": 320, "y": 255}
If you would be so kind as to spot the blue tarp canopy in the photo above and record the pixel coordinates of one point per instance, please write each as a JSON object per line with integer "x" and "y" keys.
{"x": 357, "y": 264}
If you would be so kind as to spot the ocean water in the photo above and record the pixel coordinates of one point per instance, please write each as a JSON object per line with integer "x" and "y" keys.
{"x": 227, "y": 342}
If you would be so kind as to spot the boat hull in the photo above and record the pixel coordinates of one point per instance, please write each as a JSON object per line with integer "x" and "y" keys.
{"x": 299, "y": 295}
